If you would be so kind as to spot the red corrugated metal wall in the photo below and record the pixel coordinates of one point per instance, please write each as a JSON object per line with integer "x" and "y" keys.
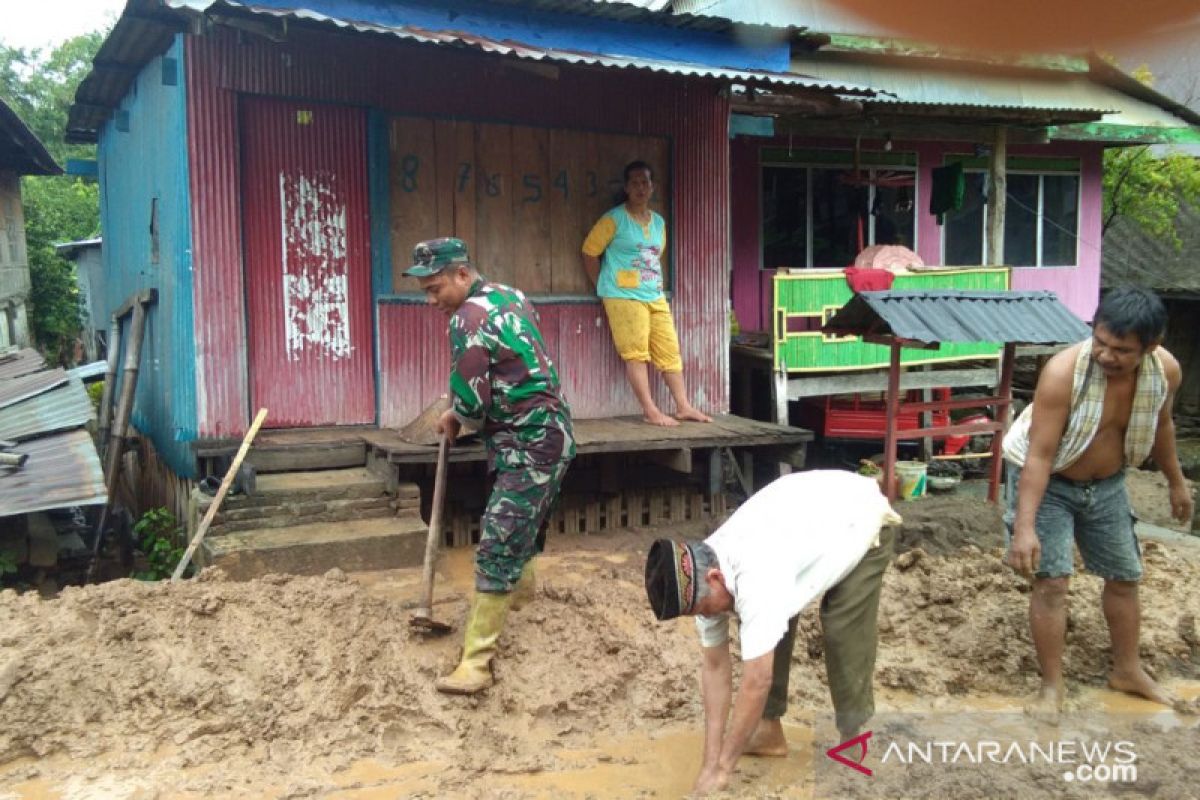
{"x": 439, "y": 81}
{"x": 306, "y": 234}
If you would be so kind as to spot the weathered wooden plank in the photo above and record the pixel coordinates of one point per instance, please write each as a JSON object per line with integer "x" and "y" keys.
{"x": 570, "y": 217}
{"x": 530, "y": 206}
{"x": 413, "y": 190}
{"x": 445, "y": 145}
{"x": 877, "y": 382}
{"x": 494, "y": 202}
{"x": 465, "y": 185}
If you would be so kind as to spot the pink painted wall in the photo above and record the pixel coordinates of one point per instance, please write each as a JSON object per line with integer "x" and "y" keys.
{"x": 1078, "y": 287}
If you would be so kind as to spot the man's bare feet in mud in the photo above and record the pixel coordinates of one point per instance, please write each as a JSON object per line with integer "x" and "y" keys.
{"x": 1047, "y": 705}
{"x": 1140, "y": 684}
{"x": 692, "y": 415}
{"x": 768, "y": 740}
{"x": 657, "y": 417}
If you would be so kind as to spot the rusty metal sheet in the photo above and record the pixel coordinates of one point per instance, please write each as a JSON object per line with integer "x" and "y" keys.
{"x": 59, "y": 409}
{"x": 62, "y": 470}
{"x": 26, "y": 386}
{"x": 20, "y": 363}
{"x": 308, "y": 261}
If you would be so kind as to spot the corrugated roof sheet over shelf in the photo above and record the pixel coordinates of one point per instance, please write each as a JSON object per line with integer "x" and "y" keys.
{"x": 1032, "y": 317}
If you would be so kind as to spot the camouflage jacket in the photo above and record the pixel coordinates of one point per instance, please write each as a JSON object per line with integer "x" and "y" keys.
{"x": 502, "y": 380}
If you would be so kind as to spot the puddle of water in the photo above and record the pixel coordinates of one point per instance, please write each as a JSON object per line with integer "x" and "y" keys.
{"x": 664, "y": 766}
{"x": 371, "y": 780}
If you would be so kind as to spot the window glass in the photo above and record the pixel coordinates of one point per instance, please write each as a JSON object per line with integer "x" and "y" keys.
{"x": 1060, "y": 223}
{"x": 964, "y": 228}
{"x": 785, "y": 217}
{"x": 1021, "y": 221}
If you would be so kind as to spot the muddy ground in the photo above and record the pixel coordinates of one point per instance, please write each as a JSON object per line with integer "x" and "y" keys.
{"x": 315, "y": 687}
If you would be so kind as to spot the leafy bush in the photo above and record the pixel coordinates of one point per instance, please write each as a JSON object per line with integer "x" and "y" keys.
{"x": 158, "y": 535}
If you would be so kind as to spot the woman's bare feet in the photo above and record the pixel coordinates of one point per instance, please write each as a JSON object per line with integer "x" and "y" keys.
{"x": 657, "y": 417}
{"x": 691, "y": 414}
{"x": 768, "y": 740}
{"x": 1047, "y": 706}
{"x": 1140, "y": 684}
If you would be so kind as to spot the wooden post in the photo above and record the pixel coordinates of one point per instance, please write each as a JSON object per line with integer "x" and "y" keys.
{"x": 893, "y": 423}
{"x": 997, "y": 197}
{"x": 779, "y": 393}
{"x": 1002, "y": 415}
{"x": 925, "y": 420}
{"x": 138, "y": 303}
{"x": 716, "y": 483}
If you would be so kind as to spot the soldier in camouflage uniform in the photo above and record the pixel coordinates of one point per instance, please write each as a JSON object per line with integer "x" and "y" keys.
{"x": 503, "y": 385}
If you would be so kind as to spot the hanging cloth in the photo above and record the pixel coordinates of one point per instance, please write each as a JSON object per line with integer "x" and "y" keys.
{"x": 949, "y": 188}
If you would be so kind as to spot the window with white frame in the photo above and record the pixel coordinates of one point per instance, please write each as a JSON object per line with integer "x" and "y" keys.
{"x": 819, "y": 211}
{"x": 1041, "y": 220}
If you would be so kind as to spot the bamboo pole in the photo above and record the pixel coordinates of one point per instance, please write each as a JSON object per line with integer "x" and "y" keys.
{"x": 202, "y": 529}
{"x": 110, "y": 380}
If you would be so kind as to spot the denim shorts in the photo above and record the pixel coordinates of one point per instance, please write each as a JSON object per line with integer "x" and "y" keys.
{"x": 1096, "y": 514}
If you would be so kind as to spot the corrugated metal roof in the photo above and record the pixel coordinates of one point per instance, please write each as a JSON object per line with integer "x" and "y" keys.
{"x": 910, "y": 86}
{"x": 1131, "y": 256}
{"x": 20, "y": 363}
{"x": 20, "y": 150}
{"x": 26, "y": 386}
{"x": 59, "y": 409}
{"x": 62, "y": 470}
{"x": 146, "y": 29}
{"x": 778, "y": 80}
{"x": 960, "y": 316}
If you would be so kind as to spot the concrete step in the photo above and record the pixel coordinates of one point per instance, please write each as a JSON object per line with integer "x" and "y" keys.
{"x": 298, "y": 487}
{"x": 303, "y": 513}
{"x": 315, "y": 548}
{"x": 297, "y": 498}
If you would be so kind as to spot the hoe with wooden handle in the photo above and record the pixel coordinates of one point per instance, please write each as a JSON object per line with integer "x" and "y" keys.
{"x": 422, "y": 619}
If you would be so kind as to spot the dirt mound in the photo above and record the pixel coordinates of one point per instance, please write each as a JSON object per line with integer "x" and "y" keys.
{"x": 295, "y": 668}
{"x": 271, "y": 687}
{"x": 944, "y": 523}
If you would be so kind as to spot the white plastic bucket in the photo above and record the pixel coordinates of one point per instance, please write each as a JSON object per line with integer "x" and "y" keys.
{"x": 910, "y": 475}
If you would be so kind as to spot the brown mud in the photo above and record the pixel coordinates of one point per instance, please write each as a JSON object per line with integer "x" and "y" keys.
{"x": 315, "y": 687}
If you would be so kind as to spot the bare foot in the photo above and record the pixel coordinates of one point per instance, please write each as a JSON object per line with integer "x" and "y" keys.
{"x": 1141, "y": 684}
{"x": 658, "y": 418}
{"x": 1047, "y": 706}
{"x": 768, "y": 740}
{"x": 692, "y": 415}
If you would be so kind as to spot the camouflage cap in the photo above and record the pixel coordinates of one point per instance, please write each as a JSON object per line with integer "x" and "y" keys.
{"x": 434, "y": 255}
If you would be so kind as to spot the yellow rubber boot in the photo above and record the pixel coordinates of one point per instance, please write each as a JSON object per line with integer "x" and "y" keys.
{"x": 526, "y": 588}
{"x": 484, "y": 623}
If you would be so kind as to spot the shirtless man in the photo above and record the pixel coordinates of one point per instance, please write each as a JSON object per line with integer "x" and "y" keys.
{"x": 1101, "y": 406}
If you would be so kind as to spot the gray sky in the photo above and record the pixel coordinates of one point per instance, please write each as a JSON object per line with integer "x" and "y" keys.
{"x": 45, "y": 23}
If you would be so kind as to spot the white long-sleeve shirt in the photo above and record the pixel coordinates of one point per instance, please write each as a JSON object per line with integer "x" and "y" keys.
{"x": 787, "y": 545}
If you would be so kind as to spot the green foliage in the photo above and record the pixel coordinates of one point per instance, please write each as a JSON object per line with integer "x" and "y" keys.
{"x": 158, "y": 535}
{"x": 8, "y": 563}
{"x": 40, "y": 88}
{"x": 1148, "y": 188}
{"x": 95, "y": 393}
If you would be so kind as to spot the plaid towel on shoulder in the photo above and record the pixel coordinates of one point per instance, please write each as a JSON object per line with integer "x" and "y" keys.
{"x": 1087, "y": 406}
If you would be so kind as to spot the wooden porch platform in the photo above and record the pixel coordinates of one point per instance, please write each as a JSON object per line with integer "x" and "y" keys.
{"x": 617, "y": 435}
{"x": 309, "y": 448}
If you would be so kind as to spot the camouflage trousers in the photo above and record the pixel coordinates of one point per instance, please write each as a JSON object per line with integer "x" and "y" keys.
{"x": 520, "y": 501}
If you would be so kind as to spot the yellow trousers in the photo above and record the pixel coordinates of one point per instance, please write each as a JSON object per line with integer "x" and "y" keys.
{"x": 644, "y": 332}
